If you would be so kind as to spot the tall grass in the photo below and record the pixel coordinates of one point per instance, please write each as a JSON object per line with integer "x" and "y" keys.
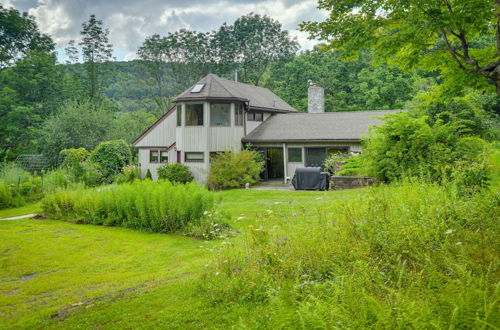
{"x": 149, "y": 206}
{"x": 409, "y": 255}
{"x": 18, "y": 187}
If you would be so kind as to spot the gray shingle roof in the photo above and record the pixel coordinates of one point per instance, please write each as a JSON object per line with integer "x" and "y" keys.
{"x": 316, "y": 127}
{"x": 259, "y": 98}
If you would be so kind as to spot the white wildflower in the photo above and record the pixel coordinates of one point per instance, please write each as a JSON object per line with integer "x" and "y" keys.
{"x": 449, "y": 231}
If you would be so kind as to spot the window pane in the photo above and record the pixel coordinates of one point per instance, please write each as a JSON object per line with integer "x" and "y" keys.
{"x": 194, "y": 157}
{"x": 153, "y": 156}
{"x": 220, "y": 114}
{"x": 238, "y": 114}
{"x": 295, "y": 155}
{"x": 259, "y": 116}
{"x": 179, "y": 115}
{"x": 315, "y": 156}
{"x": 164, "y": 156}
{"x": 194, "y": 114}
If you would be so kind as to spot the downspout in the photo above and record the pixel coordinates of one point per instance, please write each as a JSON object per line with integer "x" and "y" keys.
{"x": 284, "y": 161}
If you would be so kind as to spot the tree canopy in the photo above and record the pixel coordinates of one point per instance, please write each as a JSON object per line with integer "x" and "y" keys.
{"x": 417, "y": 33}
{"x": 19, "y": 36}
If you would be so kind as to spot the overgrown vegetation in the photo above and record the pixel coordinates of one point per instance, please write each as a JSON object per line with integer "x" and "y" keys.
{"x": 177, "y": 172}
{"x": 149, "y": 206}
{"x": 18, "y": 187}
{"x": 234, "y": 169}
{"x": 437, "y": 140}
{"x": 408, "y": 255}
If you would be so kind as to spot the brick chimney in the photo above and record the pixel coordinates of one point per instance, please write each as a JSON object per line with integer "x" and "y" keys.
{"x": 315, "y": 99}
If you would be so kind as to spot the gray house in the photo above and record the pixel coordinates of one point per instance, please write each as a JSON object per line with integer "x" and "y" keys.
{"x": 217, "y": 114}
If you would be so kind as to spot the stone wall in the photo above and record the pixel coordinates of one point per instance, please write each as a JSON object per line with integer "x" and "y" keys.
{"x": 349, "y": 182}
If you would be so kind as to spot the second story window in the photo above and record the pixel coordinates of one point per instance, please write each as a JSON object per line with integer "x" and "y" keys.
{"x": 220, "y": 114}
{"x": 194, "y": 114}
{"x": 179, "y": 115}
{"x": 238, "y": 114}
{"x": 255, "y": 116}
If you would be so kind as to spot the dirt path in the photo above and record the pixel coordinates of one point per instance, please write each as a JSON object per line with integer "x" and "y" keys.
{"x": 20, "y": 217}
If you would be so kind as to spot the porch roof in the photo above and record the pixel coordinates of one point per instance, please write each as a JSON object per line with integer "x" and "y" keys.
{"x": 348, "y": 126}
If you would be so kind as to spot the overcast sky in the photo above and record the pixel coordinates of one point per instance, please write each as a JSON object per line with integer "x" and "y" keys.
{"x": 130, "y": 21}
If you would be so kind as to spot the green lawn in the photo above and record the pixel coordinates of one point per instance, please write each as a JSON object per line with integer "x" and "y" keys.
{"x": 57, "y": 274}
{"x": 26, "y": 209}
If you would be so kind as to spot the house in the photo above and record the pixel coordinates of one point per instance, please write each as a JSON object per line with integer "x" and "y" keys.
{"x": 217, "y": 114}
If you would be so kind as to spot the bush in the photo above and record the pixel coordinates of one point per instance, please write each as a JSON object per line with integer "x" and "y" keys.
{"x": 80, "y": 167}
{"x": 177, "y": 172}
{"x": 129, "y": 174}
{"x": 111, "y": 157}
{"x": 144, "y": 205}
{"x": 233, "y": 170}
{"x": 407, "y": 255}
{"x": 333, "y": 164}
{"x": 408, "y": 146}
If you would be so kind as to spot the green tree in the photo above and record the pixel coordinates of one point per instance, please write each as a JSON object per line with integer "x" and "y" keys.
{"x": 455, "y": 35}
{"x": 251, "y": 44}
{"x": 96, "y": 49}
{"x": 111, "y": 157}
{"x": 354, "y": 85}
{"x": 77, "y": 124}
{"x": 20, "y": 36}
{"x": 129, "y": 125}
{"x": 31, "y": 85}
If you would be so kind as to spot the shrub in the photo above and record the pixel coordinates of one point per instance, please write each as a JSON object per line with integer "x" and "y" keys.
{"x": 74, "y": 160}
{"x": 233, "y": 170}
{"x": 408, "y": 146}
{"x": 177, "y": 172}
{"x": 143, "y": 205}
{"x": 129, "y": 174}
{"x": 111, "y": 157}
{"x": 334, "y": 162}
{"x": 407, "y": 255}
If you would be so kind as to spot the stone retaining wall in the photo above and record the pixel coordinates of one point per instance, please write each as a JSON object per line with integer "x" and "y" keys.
{"x": 349, "y": 182}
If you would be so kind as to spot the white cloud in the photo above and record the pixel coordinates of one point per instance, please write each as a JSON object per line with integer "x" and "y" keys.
{"x": 6, "y": 3}
{"x": 131, "y": 21}
{"x": 52, "y": 19}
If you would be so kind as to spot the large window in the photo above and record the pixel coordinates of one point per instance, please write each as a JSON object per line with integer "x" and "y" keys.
{"x": 194, "y": 157}
{"x": 315, "y": 156}
{"x": 220, "y": 114}
{"x": 179, "y": 115}
{"x": 255, "y": 116}
{"x": 295, "y": 155}
{"x": 153, "y": 156}
{"x": 194, "y": 114}
{"x": 238, "y": 114}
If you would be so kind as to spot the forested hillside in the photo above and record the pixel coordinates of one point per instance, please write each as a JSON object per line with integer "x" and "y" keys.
{"x": 48, "y": 106}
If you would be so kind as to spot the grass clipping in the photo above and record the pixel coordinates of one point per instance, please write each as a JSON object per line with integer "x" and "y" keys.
{"x": 160, "y": 207}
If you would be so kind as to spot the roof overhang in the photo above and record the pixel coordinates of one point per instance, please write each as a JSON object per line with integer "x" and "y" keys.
{"x": 208, "y": 98}
{"x": 158, "y": 122}
{"x": 300, "y": 140}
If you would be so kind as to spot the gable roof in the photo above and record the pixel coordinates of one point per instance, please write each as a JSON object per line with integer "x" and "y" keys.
{"x": 346, "y": 126}
{"x": 158, "y": 122}
{"x": 216, "y": 88}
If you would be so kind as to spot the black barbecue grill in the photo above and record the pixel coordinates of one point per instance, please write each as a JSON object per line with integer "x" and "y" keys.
{"x": 310, "y": 178}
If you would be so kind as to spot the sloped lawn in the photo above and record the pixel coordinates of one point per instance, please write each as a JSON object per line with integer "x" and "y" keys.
{"x": 58, "y": 274}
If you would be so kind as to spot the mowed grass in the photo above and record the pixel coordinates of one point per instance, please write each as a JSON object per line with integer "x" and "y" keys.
{"x": 26, "y": 209}
{"x": 57, "y": 274}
